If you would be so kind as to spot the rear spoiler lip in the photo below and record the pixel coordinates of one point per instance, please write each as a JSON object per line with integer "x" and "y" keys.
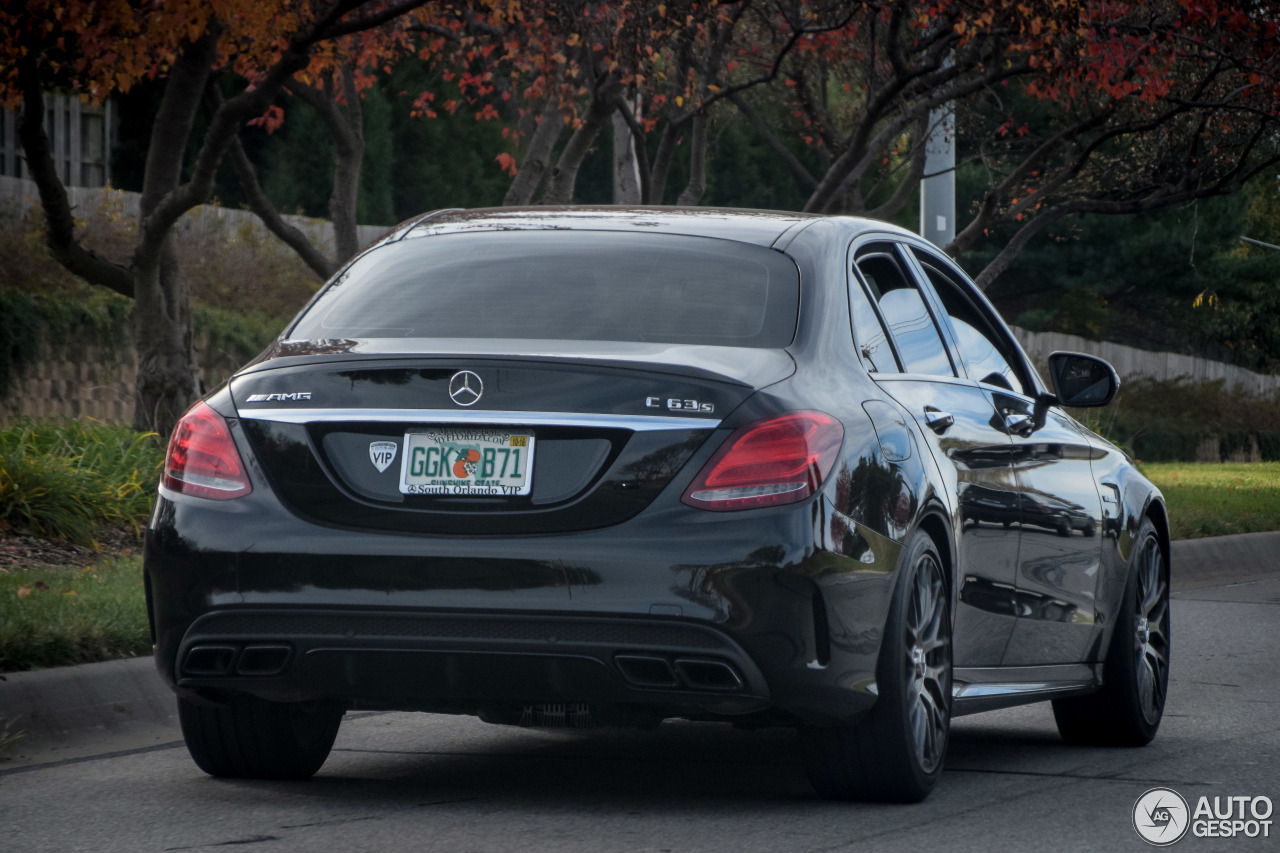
{"x": 748, "y": 367}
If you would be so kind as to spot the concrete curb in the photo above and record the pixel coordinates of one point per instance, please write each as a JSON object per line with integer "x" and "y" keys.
{"x": 1218, "y": 560}
{"x": 79, "y": 708}
{"x": 73, "y": 711}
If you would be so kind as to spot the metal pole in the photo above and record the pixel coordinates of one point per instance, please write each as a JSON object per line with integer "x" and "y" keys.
{"x": 938, "y": 189}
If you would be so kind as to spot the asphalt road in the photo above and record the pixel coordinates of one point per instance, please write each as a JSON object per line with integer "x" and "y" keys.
{"x": 419, "y": 782}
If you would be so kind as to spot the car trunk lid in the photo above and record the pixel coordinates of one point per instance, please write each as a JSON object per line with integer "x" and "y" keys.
{"x": 599, "y": 433}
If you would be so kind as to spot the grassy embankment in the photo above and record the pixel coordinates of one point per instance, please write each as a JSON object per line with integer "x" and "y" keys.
{"x": 61, "y": 616}
{"x": 1208, "y": 499}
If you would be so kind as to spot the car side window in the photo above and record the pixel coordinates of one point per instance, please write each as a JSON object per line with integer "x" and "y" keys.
{"x": 903, "y": 308}
{"x": 988, "y": 355}
{"x": 869, "y": 336}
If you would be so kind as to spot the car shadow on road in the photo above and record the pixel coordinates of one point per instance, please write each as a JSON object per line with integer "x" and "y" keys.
{"x": 679, "y": 765}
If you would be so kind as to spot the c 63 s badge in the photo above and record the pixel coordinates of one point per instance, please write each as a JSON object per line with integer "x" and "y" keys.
{"x": 678, "y": 405}
{"x": 382, "y": 454}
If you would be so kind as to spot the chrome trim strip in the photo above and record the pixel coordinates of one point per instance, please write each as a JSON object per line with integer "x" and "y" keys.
{"x": 636, "y": 423}
{"x": 982, "y": 691}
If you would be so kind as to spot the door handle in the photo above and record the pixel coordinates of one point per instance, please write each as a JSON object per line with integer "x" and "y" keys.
{"x": 937, "y": 421}
{"x": 1019, "y": 423}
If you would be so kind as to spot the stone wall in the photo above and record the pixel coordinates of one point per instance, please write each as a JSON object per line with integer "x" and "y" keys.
{"x": 87, "y": 381}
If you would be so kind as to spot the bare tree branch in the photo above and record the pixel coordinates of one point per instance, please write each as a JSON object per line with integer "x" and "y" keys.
{"x": 803, "y": 175}
{"x": 59, "y": 221}
{"x": 258, "y": 202}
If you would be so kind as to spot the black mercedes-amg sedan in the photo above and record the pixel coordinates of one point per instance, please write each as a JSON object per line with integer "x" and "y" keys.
{"x": 614, "y": 466}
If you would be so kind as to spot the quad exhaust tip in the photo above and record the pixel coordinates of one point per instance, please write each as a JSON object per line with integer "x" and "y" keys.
{"x": 259, "y": 659}
{"x": 655, "y": 671}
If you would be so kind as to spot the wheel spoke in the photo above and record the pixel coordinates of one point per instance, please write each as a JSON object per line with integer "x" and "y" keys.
{"x": 1146, "y": 686}
{"x": 1152, "y": 585}
{"x": 926, "y": 738}
{"x": 919, "y": 727}
{"x": 1156, "y": 659}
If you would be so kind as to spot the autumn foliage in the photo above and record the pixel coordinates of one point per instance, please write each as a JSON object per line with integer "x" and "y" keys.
{"x": 1068, "y": 106}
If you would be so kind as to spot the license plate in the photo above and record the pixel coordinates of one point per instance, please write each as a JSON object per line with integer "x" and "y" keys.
{"x": 459, "y": 461}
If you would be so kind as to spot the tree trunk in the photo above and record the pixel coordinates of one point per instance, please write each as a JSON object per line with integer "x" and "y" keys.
{"x": 348, "y": 152}
{"x": 662, "y": 162}
{"x": 345, "y": 122}
{"x": 626, "y": 169}
{"x": 697, "y": 185}
{"x": 536, "y": 159}
{"x": 166, "y": 379}
{"x": 565, "y": 175}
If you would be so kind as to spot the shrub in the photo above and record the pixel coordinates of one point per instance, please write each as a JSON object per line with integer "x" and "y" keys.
{"x": 1170, "y": 420}
{"x": 65, "y": 479}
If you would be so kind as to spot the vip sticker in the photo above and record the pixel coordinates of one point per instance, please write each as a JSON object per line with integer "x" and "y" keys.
{"x": 382, "y": 454}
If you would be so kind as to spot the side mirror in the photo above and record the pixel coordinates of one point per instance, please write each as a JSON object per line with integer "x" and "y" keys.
{"x": 1082, "y": 381}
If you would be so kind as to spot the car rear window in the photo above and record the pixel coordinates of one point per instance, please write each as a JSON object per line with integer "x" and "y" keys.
{"x": 555, "y": 285}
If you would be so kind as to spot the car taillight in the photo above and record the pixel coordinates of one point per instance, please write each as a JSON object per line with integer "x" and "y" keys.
{"x": 202, "y": 458}
{"x": 778, "y": 461}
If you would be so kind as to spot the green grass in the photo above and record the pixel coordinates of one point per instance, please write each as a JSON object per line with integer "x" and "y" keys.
{"x": 58, "y": 617}
{"x": 1217, "y": 500}
{"x": 64, "y": 479}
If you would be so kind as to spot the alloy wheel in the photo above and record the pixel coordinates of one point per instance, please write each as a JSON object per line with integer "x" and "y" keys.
{"x": 1151, "y": 630}
{"x": 928, "y": 647}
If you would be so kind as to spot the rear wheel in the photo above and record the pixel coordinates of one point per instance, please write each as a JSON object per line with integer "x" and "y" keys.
{"x": 1128, "y": 708}
{"x": 251, "y": 738}
{"x": 895, "y": 754}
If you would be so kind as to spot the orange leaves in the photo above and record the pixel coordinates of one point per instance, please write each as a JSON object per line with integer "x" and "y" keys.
{"x": 507, "y": 163}
{"x": 107, "y": 46}
{"x": 269, "y": 120}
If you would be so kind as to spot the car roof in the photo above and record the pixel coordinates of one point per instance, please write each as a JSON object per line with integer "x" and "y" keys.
{"x": 760, "y": 227}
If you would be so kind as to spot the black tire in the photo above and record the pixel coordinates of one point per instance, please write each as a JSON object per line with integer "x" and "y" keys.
{"x": 1128, "y": 708}
{"x": 1064, "y": 527}
{"x": 251, "y": 738}
{"x": 896, "y": 753}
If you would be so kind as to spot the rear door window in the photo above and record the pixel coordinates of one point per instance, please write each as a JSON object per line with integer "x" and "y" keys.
{"x": 893, "y": 289}
{"x": 561, "y": 285}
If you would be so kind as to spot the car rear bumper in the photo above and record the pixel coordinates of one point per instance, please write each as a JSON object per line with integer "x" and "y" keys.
{"x": 669, "y": 613}
{"x": 469, "y": 662}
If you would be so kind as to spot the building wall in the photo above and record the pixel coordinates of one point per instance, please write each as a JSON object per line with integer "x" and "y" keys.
{"x": 81, "y": 136}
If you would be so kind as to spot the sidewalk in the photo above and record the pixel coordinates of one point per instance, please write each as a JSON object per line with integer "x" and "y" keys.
{"x": 76, "y": 711}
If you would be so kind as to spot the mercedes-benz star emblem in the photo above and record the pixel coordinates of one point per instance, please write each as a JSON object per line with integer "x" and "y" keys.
{"x": 465, "y": 388}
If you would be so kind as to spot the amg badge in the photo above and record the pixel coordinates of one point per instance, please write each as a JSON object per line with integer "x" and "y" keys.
{"x": 268, "y": 398}
{"x": 382, "y": 454}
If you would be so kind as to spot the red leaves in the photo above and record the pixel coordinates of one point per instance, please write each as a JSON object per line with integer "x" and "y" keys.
{"x": 507, "y": 163}
{"x": 270, "y": 120}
